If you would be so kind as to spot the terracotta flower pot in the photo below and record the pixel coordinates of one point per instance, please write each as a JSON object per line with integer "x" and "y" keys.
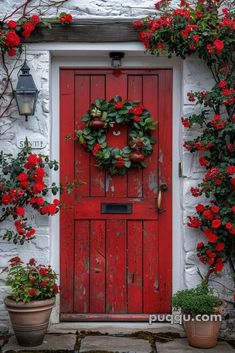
{"x": 30, "y": 320}
{"x": 202, "y": 334}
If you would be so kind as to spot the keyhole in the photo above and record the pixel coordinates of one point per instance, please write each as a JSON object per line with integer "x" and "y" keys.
{"x": 116, "y": 132}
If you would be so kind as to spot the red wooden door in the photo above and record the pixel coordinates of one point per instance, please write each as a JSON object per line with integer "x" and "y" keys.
{"x": 115, "y": 266}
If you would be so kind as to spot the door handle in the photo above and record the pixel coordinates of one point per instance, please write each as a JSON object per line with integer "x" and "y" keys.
{"x": 163, "y": 188}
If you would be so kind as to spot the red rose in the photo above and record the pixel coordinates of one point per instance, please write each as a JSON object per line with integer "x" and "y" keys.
{"x": 195, "y": 192}
{"x": 43, "y": 283}
{"x": 32, "y": 160}
{"x": 12, "y": 24}
{"x": 30, "y": 233}
{"x": 219, "y": 45}
{"x": 40, "y": 172}
{"x": 118, "y": 105}
{"x": 228, "y": 225}
{"x": 186, "y": 123}
{"x": 55, "y": 289}
{"x": 194, "y": 222}
{"x": 56, "y": 202}
{"x": 219, "y": 265}
{"x": 68, "y": 18}
{"x": 222, "y": 84}
{"x": 28, "y": 28}
{"x": 232, "y": 181}
{"x": 200, "y": 207}
{"x": 120, "y": 163}
{"x": 35, "y": 19}
{"x": 233, "y": 208}
{"x": 32, "y": 292}
{"x": 43, "y": 271}
{"x": 200, "y": 245}
{"x": 11, "y": 52}
{"x": 215, "y": 209}
{"x": 230, "y": 169}
{"x": 216, "y": 223}
{"x": 219, "y": 247}
{"x": 136, "y": 118}
{"x": 208, "y": 215}
{"x": 20, "y": 211}
{"x": 22, "y": 177}
{"x": 212, "y": 237}
{"x": 12, "y": 39}
{"x": 204, "y": 162}
{"x": 160, "y": 46}
{"x": 6, "y": 199}
{"x": 39, "y": 200}
{"x": 196, "y": 38}
{"x": 52, "y": 209}
{"x": 24, "y": 184}
{"x": 38, "y": 187}
{"x": 32, "y": 262}
{"x": 138, "y": 24}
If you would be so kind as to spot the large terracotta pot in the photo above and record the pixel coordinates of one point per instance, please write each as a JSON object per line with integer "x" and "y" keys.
{"x": 30, "y": 320}
{"x": 204, "y": 334}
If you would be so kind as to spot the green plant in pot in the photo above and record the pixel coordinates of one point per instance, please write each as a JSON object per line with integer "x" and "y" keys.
{"x": 201, "y": 311}
{"x": 32, "y": 297}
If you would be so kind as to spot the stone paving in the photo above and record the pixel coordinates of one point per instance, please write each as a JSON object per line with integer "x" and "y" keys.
{"x": 84, "y": 342}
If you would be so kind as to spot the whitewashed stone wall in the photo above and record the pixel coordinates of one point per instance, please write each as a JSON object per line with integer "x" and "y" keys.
{"x": 195, "y": 77}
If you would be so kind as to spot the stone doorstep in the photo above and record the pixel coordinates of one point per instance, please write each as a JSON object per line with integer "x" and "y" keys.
{"x": 115, "y": 328}
{"x": 182, "y": 346}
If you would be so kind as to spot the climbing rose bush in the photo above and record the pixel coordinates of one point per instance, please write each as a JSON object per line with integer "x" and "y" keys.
{"x": 205, "y": 27}
{"x": 13, "y": 32}
{"x": 30, "y": 281}
{"x": 23, "y": 184}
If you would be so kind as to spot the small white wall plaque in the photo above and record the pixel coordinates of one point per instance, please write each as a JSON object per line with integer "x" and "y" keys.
{"x": 35, "y": 143}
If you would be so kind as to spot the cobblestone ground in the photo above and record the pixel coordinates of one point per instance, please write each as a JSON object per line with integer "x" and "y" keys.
{"x": 96, "y": 342}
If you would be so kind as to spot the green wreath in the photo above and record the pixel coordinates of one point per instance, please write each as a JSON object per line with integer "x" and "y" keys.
{"x": 104, "y": 114}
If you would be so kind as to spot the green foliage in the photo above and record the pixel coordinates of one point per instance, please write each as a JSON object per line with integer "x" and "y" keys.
{"x": 196, "y": 301}
{"x": 29, "y": 281}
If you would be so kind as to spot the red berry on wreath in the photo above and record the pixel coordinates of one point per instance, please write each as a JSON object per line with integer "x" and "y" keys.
{"x": 136, "y": 156}
{"x": 97, "y": 124}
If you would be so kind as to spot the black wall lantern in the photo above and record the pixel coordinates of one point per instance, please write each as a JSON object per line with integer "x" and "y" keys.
{"x": 116, "y": 57}
{"x": 26, "y": 93}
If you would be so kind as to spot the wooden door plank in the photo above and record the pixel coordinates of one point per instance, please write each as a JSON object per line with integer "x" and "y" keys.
{"x": 66, "y": 174}
{"x": 81, "y": 267}
{"x": 97, "y": 267}
{"x": 97, "y": 176}
{"x": 116, "y": 296}
{"x": 135, "y": 258}
{"x": 82, "y": 159}
{"x": 150, "y": 267}
{"x": 135, "y": 177}
{"x": 116, "y": 85}
{"x": 151, "y": 102}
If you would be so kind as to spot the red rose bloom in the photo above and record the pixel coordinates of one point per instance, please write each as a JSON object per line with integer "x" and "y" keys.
{"x": 22, "y": 177}
{"x": 215, "y": 209}
{"x": 30, "y": 233}
{"x": 194, "y": 222}
{"x": 24, "y": 184}
{"x": 6, "y": 199}
{"x": 219, "y": 45}
{"x": 35, "y": 19}
{"x": 204, "y": 162}
{"x": 186, "y": 123}
{"x": 12, "y": 39}
{"x": 216, "y": 223}
{"x": 28, "y": 28}
{"x": 40, "y": 172}
{"x": 43, "y": 283}
{"x": 219, "y": 265}
{"x": 196, "y": 38}
{"x": 32, "y": 160}
{"x": 233, "y": 208}
{"x": 38, "y": 187}
{"x": 11, "y": 52}
{"x": 219, "y": 247}
{"x": 32, "y": 262}
{"x": 200, "y": 207}
{"x": 43, "y": 271}
{"x": 222, "y": 84}
{"x": 12, "y": 24}
{"x": 20, "y": 211}
{"x": 136, "y": 118}
{"x": 232, "y": 181}
{"x": 55, "y": 289}
{"x": 230, "y": 169}
{"x": 228, "y": 225}
{"x": 56, "y": 202}
{"x": 32, "y": 292}
{"x": 118, "y": 105}
{"x": 208, "y": 215}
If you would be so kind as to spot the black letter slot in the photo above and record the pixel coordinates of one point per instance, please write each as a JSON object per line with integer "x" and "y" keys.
{"x": 113, "y": 208}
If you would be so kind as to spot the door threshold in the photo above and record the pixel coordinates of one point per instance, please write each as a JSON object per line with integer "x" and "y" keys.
{"x": 116, "y": 328}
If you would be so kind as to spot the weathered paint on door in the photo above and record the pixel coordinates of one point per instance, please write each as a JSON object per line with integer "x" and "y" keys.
{"x": 115, "y": 266}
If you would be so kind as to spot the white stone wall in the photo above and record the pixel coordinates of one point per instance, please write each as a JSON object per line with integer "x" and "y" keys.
{"x": 12, "y": 128}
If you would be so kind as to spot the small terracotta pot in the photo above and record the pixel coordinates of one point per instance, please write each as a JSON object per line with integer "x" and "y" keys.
{"x": 202, "y": 334}
{"x": 30, "y": 320}
{"x": 97, "y": 124}
{"x": 136, "y": 156}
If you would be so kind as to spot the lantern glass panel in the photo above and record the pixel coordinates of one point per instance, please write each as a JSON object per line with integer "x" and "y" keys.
{"x": 26, "y": 102}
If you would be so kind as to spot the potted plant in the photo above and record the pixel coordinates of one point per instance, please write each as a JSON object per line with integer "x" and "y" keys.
{"x": 32, "y": 297}
{"x": 201, "y": 312}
